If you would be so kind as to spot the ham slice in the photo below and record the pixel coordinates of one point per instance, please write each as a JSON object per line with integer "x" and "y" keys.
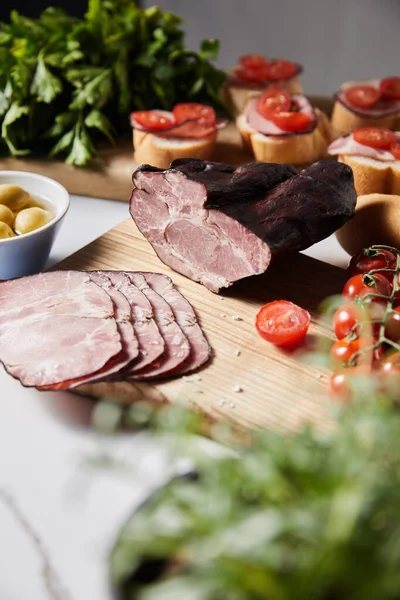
{"x": 67, "y": 311}
{"x": 348, "y": 145}
{"x": 177, "y": 348}
{"x": 262, "y": 125}
{"x": 185, "y": 317}
{"x": 151, "y": 344}
{"x": 382, "y": 108}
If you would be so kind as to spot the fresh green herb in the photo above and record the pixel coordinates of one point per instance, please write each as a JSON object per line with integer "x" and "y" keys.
{"x": 68, "y": 83}
{"x": 306, "y": 516}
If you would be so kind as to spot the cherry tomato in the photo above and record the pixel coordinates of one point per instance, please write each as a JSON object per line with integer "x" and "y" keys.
{"x": 291, "y": 121}
{"x": 369, "y": 260}
{"x": 253, "y": 61}
{"x": 282, "y": 323}
{"x": 153, "y": 120}
{"x": 252, "y": 74}
{"x": 363, "y": 96}
{"x": 345, "y": 319}
{"x": 367, "y": 285}
{"x": 392, "y": 326}
{"x": 375, "y": 137}
{"x": 193, "y": 110}
{"x": 390, "y": 88}
{"x": 395, "y": 149}
{"x": 272, "y": 101}
{"x": 281, "y": 69}
{"x": 340, "y": 384}
{"x": 342, "y": 351}
{"x": 392, "y": 363}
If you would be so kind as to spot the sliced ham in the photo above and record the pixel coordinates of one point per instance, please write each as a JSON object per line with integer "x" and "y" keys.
{"x": 262, "y": 125}
{"x": 217, "y": 224}
{"x": 348, "y": 145}
{"x": 177, "y": 348}
{"x": 382, "y": 108}
{"x": 151, "y": 343}
{"x": 56, "y": 328}
{"x": 185, "y": 317}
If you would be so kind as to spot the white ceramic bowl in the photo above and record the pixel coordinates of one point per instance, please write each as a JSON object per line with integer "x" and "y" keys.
{"x": 27, "y": 254}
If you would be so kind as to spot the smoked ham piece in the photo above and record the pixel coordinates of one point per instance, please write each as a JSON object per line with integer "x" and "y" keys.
{"x": 217, "y": 224}
{"x": 56, "y": 327}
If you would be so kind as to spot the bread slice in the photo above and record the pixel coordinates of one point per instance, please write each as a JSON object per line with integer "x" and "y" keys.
{"x": 160, "y": 152}
{"x": 373, "y": 176}
{"x": 344, "y": 121}
{"x": 299, "y": 149}
{"x": 236, "y": 97}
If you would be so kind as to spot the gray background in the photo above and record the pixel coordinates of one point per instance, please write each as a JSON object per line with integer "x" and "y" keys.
{"x": 336, "y": 41}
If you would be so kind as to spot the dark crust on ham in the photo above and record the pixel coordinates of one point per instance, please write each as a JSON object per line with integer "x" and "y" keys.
{"x": 371, "y": 113}
{"x": 232, "y": 80}
{"x": 287, "y": 211}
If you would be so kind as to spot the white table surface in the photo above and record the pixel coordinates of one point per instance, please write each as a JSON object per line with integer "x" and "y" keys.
{"x": 54, "y": 505}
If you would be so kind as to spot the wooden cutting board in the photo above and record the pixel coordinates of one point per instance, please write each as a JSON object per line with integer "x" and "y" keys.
{"x": 277, "y": 389}
{"x": 110, "y": 175}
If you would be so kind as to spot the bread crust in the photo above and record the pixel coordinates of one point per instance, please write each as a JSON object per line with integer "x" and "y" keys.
{"x": 295, "y": 149}
{"x": 344, "y": 121}
{"x": 150, "y": 150}
{"x": 372, "y": 176}
{"x": 236, "y": 97}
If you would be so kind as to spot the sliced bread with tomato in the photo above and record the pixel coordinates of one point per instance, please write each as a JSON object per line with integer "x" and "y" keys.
{"x": 253, "y": 74}
{"x": 374, "y": 102}
{"x": 283, "y": 128}
{"x": 373, "y": 153}
{"x": 189, "y": 131}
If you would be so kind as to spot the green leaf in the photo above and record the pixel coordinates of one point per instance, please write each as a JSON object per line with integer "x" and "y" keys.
{"x": 64, "y": 143}
{"x": 209, "y": 49}
{"x": 97, "y": 120}
{"x": 82, "y": 150}
{"x": 45, "y": 85}
{"x": 95, "y": 92}
{"x": 5, "y": 98}
{"x": 8, "y": 133}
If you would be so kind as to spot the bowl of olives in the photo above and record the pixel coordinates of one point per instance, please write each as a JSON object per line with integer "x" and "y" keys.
{"x": 32, "y": 208}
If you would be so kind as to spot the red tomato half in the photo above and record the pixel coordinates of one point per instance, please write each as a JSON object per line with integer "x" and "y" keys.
{"x": 281, "y": 69}
{"x": 375, "y": 137}
{"x": 369, "y": 260}
{"x": 390, "y": 88}
{"x": 363, "y": 96}
{"x": 253, "y": 61}
{"x": 367, "y": 285}
{"x": 291, "y": 121}
{"x": 193, "y": 110}
{"x": 282, "y": 323}
{"x": 251, "y": 74}
{"x": 152, "y": 119}
{"x": 395, "y": 149}
{"x": 273, "y": 101}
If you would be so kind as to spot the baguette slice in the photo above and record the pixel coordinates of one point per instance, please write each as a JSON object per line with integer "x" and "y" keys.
{"x": 344, "y": 121}
{"x": 373, "y": 176}
{"x": 299, "y": 149}
{"x": 160, "y": 152}
{"x": 236, "y": 97}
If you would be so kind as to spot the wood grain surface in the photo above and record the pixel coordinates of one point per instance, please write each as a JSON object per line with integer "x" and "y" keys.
{"x": 110, "y": 175}
{"x": 277, "y": 389}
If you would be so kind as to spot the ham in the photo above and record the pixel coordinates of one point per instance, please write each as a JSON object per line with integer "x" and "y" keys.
{"x": 176, "y": 349}
{"x": 382, "y": 108}
{"x": 262, "y": 125}
{"x": 348, "y": 145}
{"x": 185, "y": 317}
{"x": 217, "y": 224}
{"x": 56, "y": 328}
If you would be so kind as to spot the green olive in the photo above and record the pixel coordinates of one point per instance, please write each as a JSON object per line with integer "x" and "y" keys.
{"x": 5, "y": 231}
{"x": 30, "y": 219}
{"x": 6, "y": 215}
{"x": 14, "y": 197}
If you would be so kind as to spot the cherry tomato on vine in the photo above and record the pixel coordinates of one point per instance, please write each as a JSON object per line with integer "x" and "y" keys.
{"x": 340, "y": 383}
{"x": 357, "y": 351}
{"x": 391, "y": 364}
{"x": 369, "y": 260}
{"x": 345, "y": 319}
{"x": 282, "y": 323}
{"x": 367, "y": 285}
{"x": 343, "y": 350}
{"x": 392, "y": 326}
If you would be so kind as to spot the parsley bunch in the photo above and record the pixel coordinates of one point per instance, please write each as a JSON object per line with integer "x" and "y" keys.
{"x": 68, "y": 83}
